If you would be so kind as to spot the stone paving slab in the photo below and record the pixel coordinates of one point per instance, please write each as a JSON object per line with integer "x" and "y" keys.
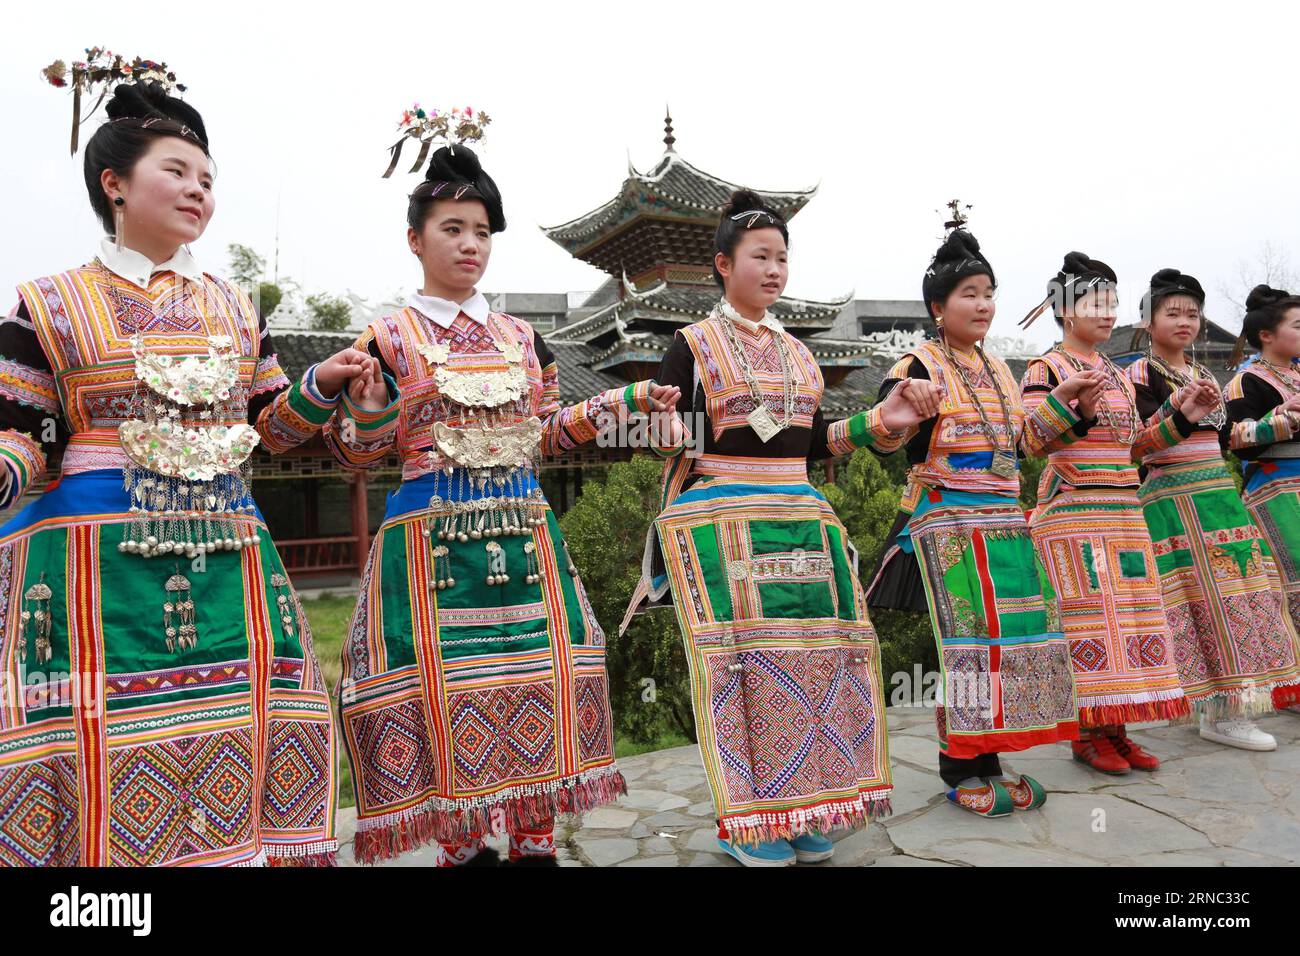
{"x": 1208, "y": 805}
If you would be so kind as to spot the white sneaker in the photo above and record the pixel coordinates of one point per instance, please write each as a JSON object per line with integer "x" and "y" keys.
{"x": 1237, "y": 733}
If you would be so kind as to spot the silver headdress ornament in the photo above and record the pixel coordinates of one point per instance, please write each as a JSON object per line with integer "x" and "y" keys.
{"x": 427, "y": 127}
{"x": 105, "y": 69}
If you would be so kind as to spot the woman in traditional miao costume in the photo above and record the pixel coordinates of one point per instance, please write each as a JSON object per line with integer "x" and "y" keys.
{"x": 1007, "y": 682}
{"x": 1233, "y": 640}
{"x": 163, "y": 705}
{"x": 784, "y": 664}
{"x": 474, "y": 696}
{"x": 1088, "y": 525}
{"x": 1263, "y": 406}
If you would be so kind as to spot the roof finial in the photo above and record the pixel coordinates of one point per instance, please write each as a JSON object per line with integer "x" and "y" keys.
{"x": 669, "y": 138}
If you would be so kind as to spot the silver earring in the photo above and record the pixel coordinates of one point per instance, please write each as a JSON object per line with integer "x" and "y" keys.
{"x": 118, "y": 221}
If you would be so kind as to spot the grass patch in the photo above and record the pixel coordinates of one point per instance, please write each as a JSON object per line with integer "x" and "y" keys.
{"x": 328, "y": 616}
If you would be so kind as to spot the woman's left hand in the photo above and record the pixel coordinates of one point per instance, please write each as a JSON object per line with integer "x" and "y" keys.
{"x": 341, "y": 368}
{"x": 664, "y": 398}
{"x": 1202, "y": 397}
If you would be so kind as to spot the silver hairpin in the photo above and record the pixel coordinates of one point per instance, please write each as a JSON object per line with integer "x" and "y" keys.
{"x": 754, "y": 215}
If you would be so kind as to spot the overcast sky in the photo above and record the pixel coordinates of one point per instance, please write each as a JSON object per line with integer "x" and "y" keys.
{"x": 1144, "y": 134}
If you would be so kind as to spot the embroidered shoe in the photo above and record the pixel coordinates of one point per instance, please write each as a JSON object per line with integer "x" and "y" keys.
{"x": 1134, "y": 755}
{"x": 1237, "y": 733}
{"x": 1098, "y": 752}
{"x": 812, "y": 848}
{"x": 986, "y": 801}
{"x": 1026, "y": 793}
{"x": 774, "y": 853}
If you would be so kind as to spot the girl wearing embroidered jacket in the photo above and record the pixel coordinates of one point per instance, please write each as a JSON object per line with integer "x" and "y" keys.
{"x": 1234, "y": 642}
{"x": 1263, "y": 408}
{"x": 1088, "y": 525}
{"x": 156, "y": 727}
{"x": 961, "y": 548}
{"x": 474, "y": 695}
{"x": 784, "y": 665}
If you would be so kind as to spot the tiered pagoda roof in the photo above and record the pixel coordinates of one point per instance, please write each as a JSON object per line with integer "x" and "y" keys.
{"x": 655, "y": 238}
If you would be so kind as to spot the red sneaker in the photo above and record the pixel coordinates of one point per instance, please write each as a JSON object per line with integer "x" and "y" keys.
{"x": 1098, "y": 752}
{"x": 1137, "y": 758}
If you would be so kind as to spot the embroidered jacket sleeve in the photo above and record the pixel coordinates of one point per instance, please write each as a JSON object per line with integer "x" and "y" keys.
{"x": 677, "y": 368}
{"x": 564, "y": 428}
{"x": 285, "y": 415}
{"x": 358, "y": 438}
{"x": 1254, "y": 417}
{"x": 31, "y": 418}
{"x": 1163, "y": 424}
{"x": 1050, "y": 425}
{"x": 867, "y": 429}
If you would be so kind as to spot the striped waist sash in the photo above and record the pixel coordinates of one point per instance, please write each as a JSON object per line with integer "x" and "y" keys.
{"x": 752, "y": 469}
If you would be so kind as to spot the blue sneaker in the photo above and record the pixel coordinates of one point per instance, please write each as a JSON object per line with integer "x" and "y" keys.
{"x": 813, "y": 848}
{"x": 776, "y": 853}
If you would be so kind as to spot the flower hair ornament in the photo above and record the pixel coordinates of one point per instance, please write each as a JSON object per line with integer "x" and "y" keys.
{"x": 957, "y": 215}
{"x": 104, "y": 69}
{"x": 427, "y": 127}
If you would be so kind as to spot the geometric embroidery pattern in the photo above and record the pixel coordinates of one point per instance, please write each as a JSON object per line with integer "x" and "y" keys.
{"x": 810, "y": 728}
{"x": 967, "y": 698}
{"x": 393, "y": 745}
{"x": 38, "y": 814}
{"x": 593, "y": 717}
{"x": 1037, "y": 686}
{"x": 1146, "y": 650}
{"x": 1088, "y": 655}
{"x": 502, "y": 733}
{"x": 297, "y": 775}
{"x": 174, "y": 798}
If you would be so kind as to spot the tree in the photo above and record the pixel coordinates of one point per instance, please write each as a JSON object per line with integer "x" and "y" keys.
{"x": 649, "y": 688}
{"x": 866, "y": 498}
{"x": 329, "y": 313}
{"x": 1271, "y": 266}
{"x": 268, "y": 297}
{"x": 247, "y": 269}
{"x": 1031, "y": 469}
{"x": 246, "y": 266}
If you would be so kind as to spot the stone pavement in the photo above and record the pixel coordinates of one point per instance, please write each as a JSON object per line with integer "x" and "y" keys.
{"x": 1207, "y": 806}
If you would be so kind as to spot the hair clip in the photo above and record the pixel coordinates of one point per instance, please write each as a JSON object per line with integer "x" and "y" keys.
{"x": 754, "y": 214}
{"x": 1035, "y": 312}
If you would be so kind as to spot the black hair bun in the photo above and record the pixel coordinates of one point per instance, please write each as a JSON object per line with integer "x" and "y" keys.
{"x": 959, "y": 245}
{"x": 460, "y": 165}
{"x": 1081, "y": 266}
{"x": 743, "y": 200}
{"x": 1261, "y": 297}
{"x": 1076, "y": 263}
{"x": 150, "y": 100}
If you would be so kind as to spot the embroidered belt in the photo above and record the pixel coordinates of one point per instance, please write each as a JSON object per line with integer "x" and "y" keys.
{"x": 92, "y": 450}
{"x": 752, "y": 469}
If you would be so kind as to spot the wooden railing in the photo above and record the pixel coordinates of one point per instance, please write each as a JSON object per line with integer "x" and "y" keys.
{"x": 320, "y": 555}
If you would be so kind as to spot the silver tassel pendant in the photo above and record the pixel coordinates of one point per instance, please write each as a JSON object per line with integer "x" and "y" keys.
{"x": 179, "y": 622}
{"x": 37, "y": 621}
{"x": 283, "y": 604}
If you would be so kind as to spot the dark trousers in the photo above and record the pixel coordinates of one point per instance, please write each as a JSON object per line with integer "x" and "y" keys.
{"x": 954, "y": 771}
